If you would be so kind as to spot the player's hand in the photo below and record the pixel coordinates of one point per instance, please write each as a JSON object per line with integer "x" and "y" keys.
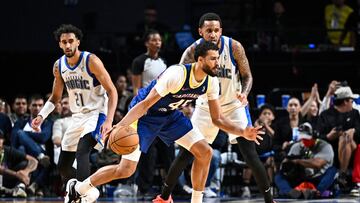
{"x": 242, "y": 98}
{"x": 23, "y": 176}
{"x": 106, "y": 136}
{"x": 253, "y": 134}
{"x": 106, "y": 127}
{"x": 36, "y": 123}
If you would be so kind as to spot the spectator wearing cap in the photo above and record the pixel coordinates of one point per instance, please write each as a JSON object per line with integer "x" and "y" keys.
{"x": 340, "y": 126}
{"x": 309, "y": 162}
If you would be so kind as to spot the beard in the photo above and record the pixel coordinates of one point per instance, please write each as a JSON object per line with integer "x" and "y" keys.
{"x": 208, "y": 71}
{"x": 69, "y": 54}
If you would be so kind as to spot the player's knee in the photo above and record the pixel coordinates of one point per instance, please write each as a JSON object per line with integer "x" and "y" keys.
{"x": 208, "y": 152}
{"x": 204, "y": 152}
{"x": 125, "y": 169}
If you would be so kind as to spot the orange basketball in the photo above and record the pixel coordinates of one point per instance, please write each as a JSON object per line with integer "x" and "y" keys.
{"x": 123, "y": 140}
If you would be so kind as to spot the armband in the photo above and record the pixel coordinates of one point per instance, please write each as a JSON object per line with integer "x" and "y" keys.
{"x": 46, "y": 110}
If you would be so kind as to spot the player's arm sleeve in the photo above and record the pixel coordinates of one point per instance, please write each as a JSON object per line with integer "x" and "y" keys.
{"x": 171, "y": 80}
{"x": 213, "y": 88}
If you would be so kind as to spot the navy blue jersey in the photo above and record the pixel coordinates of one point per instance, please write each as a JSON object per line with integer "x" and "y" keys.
{"x": 173, "y": 101}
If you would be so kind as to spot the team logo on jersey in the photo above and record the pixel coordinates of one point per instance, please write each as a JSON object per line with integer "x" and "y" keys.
{"x": 162, "y": 109}
{"x": 223, "y": 72}
{"x": 76, "y": 82}
{"x": 189, "y": 96}
{"x": 203, "y": 89}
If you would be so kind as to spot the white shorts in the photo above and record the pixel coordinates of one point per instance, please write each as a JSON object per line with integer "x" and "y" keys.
{"x": 81, "y": 125}
{"x": 133, "y": 156}
{"x": 186, "y": 141}
{"x": 202, "y": 120}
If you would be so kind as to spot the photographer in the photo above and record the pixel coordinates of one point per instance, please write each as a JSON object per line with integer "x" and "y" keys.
{"x": 340, "y": 126}
{"x": 309, "y": 160}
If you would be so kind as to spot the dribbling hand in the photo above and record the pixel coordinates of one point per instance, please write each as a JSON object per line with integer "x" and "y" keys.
{"x": 253, "y": 134}
{"x": 106, "y": 135}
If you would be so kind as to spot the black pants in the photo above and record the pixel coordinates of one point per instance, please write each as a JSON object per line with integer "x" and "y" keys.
{"x": 158, "y": 151}
{"x": 248, "y": 152}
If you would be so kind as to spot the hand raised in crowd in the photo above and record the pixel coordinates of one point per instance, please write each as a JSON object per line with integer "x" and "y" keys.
{"x": 332, "y": 87}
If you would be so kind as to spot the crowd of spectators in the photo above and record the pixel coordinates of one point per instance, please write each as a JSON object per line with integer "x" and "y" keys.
{"x": 309, "y": 149}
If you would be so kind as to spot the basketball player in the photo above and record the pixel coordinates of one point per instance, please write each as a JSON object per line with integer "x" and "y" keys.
{"x": 233, "y": 64}
{"x": 88, "y": 84}
{"x": 155, "y": 113}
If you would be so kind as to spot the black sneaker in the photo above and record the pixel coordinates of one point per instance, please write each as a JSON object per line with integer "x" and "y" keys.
{"x": 71, "y": 196}
{"x": 342, "y": 179}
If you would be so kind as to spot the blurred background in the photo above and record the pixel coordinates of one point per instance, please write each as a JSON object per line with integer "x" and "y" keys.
{"x": 286, "y": 41}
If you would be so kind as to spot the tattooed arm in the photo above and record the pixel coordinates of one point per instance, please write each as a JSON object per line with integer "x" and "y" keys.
{"x": 188, "y": 55}
{"x": 243, "y": 66}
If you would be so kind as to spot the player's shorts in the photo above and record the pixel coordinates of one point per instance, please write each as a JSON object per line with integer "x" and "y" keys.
{"x": 186, "y": 141}
{"x": 175, "y": 127}
{"x": 202, "y": 120}
{"x": 81, "y": 125}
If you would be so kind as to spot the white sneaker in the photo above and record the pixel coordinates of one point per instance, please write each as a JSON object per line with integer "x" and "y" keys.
{"x": 71, "y": 195}
{"x": 19, "y": 191}
{"x": 90, "y": 196}
{"x": 246, "y": 192}
{"x": 209, "y": 193}
{"x": 188, "y": 189}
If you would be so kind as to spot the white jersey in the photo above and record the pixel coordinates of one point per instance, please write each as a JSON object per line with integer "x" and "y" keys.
{"x": 85, "y": 91}
{"x": 228, "y": 76}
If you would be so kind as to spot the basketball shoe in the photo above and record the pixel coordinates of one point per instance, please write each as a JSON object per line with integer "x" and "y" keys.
{"x": 90, "y": 196}
{"x": 71, "y": 196}
{"x": 158, "y": 199}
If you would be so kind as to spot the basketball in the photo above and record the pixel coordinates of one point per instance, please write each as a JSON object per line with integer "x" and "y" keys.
{"x": 123, "y": 140}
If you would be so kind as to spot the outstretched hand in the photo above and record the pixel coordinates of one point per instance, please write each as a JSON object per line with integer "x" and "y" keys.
{"x": 253, "y": 134}
{"x": 36, "y": 123}
{"x": 106, "y": 135}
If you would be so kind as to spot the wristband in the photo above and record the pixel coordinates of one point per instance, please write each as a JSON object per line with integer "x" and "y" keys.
{"x": 46, "y": 110}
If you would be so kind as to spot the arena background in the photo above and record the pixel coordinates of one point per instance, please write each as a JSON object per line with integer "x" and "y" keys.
{"x": 28, "y": 49}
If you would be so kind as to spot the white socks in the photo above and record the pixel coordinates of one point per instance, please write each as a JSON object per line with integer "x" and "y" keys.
{"x": 83, "y": 187}
{"x": 197, "y": 196}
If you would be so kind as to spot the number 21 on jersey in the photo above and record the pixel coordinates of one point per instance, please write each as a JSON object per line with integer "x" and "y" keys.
{"x": 79, "y": 99}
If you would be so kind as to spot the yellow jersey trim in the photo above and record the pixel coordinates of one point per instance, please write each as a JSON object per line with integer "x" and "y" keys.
{"x": 192, "y": 86}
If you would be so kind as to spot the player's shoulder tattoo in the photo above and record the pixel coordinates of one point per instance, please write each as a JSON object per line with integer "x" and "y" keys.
{"x": 240, "y": 55}
{"x": 188, "y": 56}
{"x": 56, "y": 66}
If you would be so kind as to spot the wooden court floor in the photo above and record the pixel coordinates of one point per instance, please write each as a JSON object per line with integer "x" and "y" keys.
{"x": 212, "y": 200}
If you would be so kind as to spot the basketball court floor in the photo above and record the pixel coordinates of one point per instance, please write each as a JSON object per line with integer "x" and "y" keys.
{"x": 212, "y": 200}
